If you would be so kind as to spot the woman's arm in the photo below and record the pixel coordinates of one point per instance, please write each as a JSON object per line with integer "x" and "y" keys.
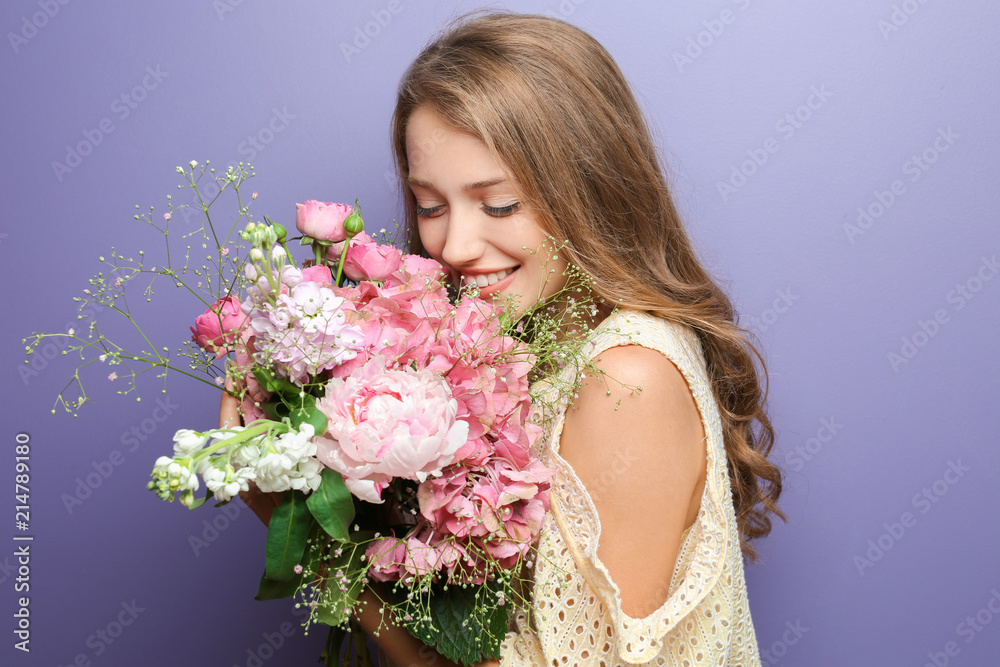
{"x": 262, "y": 504}
{"x": 644, "y": 450}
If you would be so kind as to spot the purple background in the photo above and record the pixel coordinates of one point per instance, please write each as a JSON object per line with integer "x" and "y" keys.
{"x": 829, "y": 304}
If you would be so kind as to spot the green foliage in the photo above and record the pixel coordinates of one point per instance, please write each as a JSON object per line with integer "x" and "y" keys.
{"x": 286, "y": 536}
{"x": 332, "y": 505}
{"x": 464, "y": 623}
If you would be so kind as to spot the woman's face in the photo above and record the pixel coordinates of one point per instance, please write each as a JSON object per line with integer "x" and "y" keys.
{"x": 470, "y": 216}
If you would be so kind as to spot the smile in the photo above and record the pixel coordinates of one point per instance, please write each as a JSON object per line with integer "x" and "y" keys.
{"x": 490, "y": 282}
{"x": 487, "y": 279}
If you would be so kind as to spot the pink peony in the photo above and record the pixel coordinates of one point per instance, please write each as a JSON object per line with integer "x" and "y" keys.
{"x": 389, "y": 423}
{"x": 218, "y": 327}
{"x": 323, "y": 221}
{"x": 367, "y": 260}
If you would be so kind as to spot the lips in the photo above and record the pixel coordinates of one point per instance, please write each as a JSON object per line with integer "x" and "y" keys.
{"x": 490, "y": 283}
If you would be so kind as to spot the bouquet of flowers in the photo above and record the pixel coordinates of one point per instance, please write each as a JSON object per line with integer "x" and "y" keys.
{"x": 396, "y": 415}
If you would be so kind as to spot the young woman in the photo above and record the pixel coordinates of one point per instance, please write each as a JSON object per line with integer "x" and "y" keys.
{"x": 513, "y": 129}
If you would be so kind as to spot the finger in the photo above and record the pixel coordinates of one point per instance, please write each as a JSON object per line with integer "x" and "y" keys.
{"x": 229, "y": 407}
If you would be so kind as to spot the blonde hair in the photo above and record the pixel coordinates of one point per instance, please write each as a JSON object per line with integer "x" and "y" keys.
{"x": 552, "y": 105}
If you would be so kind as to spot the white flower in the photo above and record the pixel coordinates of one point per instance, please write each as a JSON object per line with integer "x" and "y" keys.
{"x": 224, "y": 485}
{"x": 278, "y": 256}
{"x": 187, "y": 442}
{"x": 288, "y": 462}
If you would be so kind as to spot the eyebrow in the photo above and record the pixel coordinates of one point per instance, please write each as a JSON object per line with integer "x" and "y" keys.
{"x": 478, "y": 185}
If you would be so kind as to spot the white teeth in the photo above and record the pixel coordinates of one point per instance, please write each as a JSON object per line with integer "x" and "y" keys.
{"x": 487, "y": 279}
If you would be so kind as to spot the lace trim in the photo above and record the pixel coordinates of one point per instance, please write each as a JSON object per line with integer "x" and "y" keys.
{"x": 638, "y": 640}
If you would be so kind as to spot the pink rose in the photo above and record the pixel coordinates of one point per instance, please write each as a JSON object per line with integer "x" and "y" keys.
{"x": 218, "y": 327}
{"x": 367, "y": 260}
{"x": 389, "y": 423}
{"x": 317, "y": 274}
{"x": 323, "y": 221}
{"x": 416, "y": 269}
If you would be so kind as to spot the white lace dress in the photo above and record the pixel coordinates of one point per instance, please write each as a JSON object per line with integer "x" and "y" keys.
{"x": 576, "y": 616}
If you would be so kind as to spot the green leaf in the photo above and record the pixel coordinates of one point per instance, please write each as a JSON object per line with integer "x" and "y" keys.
{"x": 305, "y": 240}
{"x": 272, "y": 589}
{"x": 200, "y": 501}
{"x": 274, "y": 410}
{"x": 331, "y": 610}
{"x": 265, "y": 377}
{"x": 332, "y": 505}
{"x": 272, "y": 383}
{"x": 308, "y": 414}
{"x": 286, "y": 536}
{"x": 461, "y": 628}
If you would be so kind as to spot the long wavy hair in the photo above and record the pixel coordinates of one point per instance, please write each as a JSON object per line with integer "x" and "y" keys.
{"x": 553, "y": 107}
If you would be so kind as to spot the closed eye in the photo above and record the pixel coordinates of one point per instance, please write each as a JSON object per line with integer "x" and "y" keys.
{"x": 501, "y": 211}
{"x": 428, "y": 212}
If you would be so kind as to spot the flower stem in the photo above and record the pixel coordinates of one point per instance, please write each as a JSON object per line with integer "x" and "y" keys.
{"x": 340, "y": 264}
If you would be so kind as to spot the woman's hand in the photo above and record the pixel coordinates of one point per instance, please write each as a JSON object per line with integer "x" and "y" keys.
{"x": 261, "y": 503}
{"x": 399, "y": 645}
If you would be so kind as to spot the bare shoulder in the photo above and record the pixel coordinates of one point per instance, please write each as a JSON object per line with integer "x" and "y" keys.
{"x": 636, "y": 381}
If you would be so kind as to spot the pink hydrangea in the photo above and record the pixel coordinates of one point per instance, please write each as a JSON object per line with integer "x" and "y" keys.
{"x": 499, "y": 500}
{"x": 306, "y": 331}
{"x": 384, "y": 424}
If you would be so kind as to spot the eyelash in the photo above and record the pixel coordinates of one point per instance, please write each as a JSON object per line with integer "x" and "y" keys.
{"x": 494, "y": 211}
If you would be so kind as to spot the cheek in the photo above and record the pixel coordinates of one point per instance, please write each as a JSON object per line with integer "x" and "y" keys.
{"x": 432, "y": 239}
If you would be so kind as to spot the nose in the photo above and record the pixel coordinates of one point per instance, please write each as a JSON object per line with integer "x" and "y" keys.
{"x": 464, "y": 242}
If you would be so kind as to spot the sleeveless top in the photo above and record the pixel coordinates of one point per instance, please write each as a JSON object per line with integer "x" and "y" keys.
{"x": 575, "y": 616}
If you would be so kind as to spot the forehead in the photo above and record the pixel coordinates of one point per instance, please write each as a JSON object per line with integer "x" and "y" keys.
{"x": 436, "y": 148}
